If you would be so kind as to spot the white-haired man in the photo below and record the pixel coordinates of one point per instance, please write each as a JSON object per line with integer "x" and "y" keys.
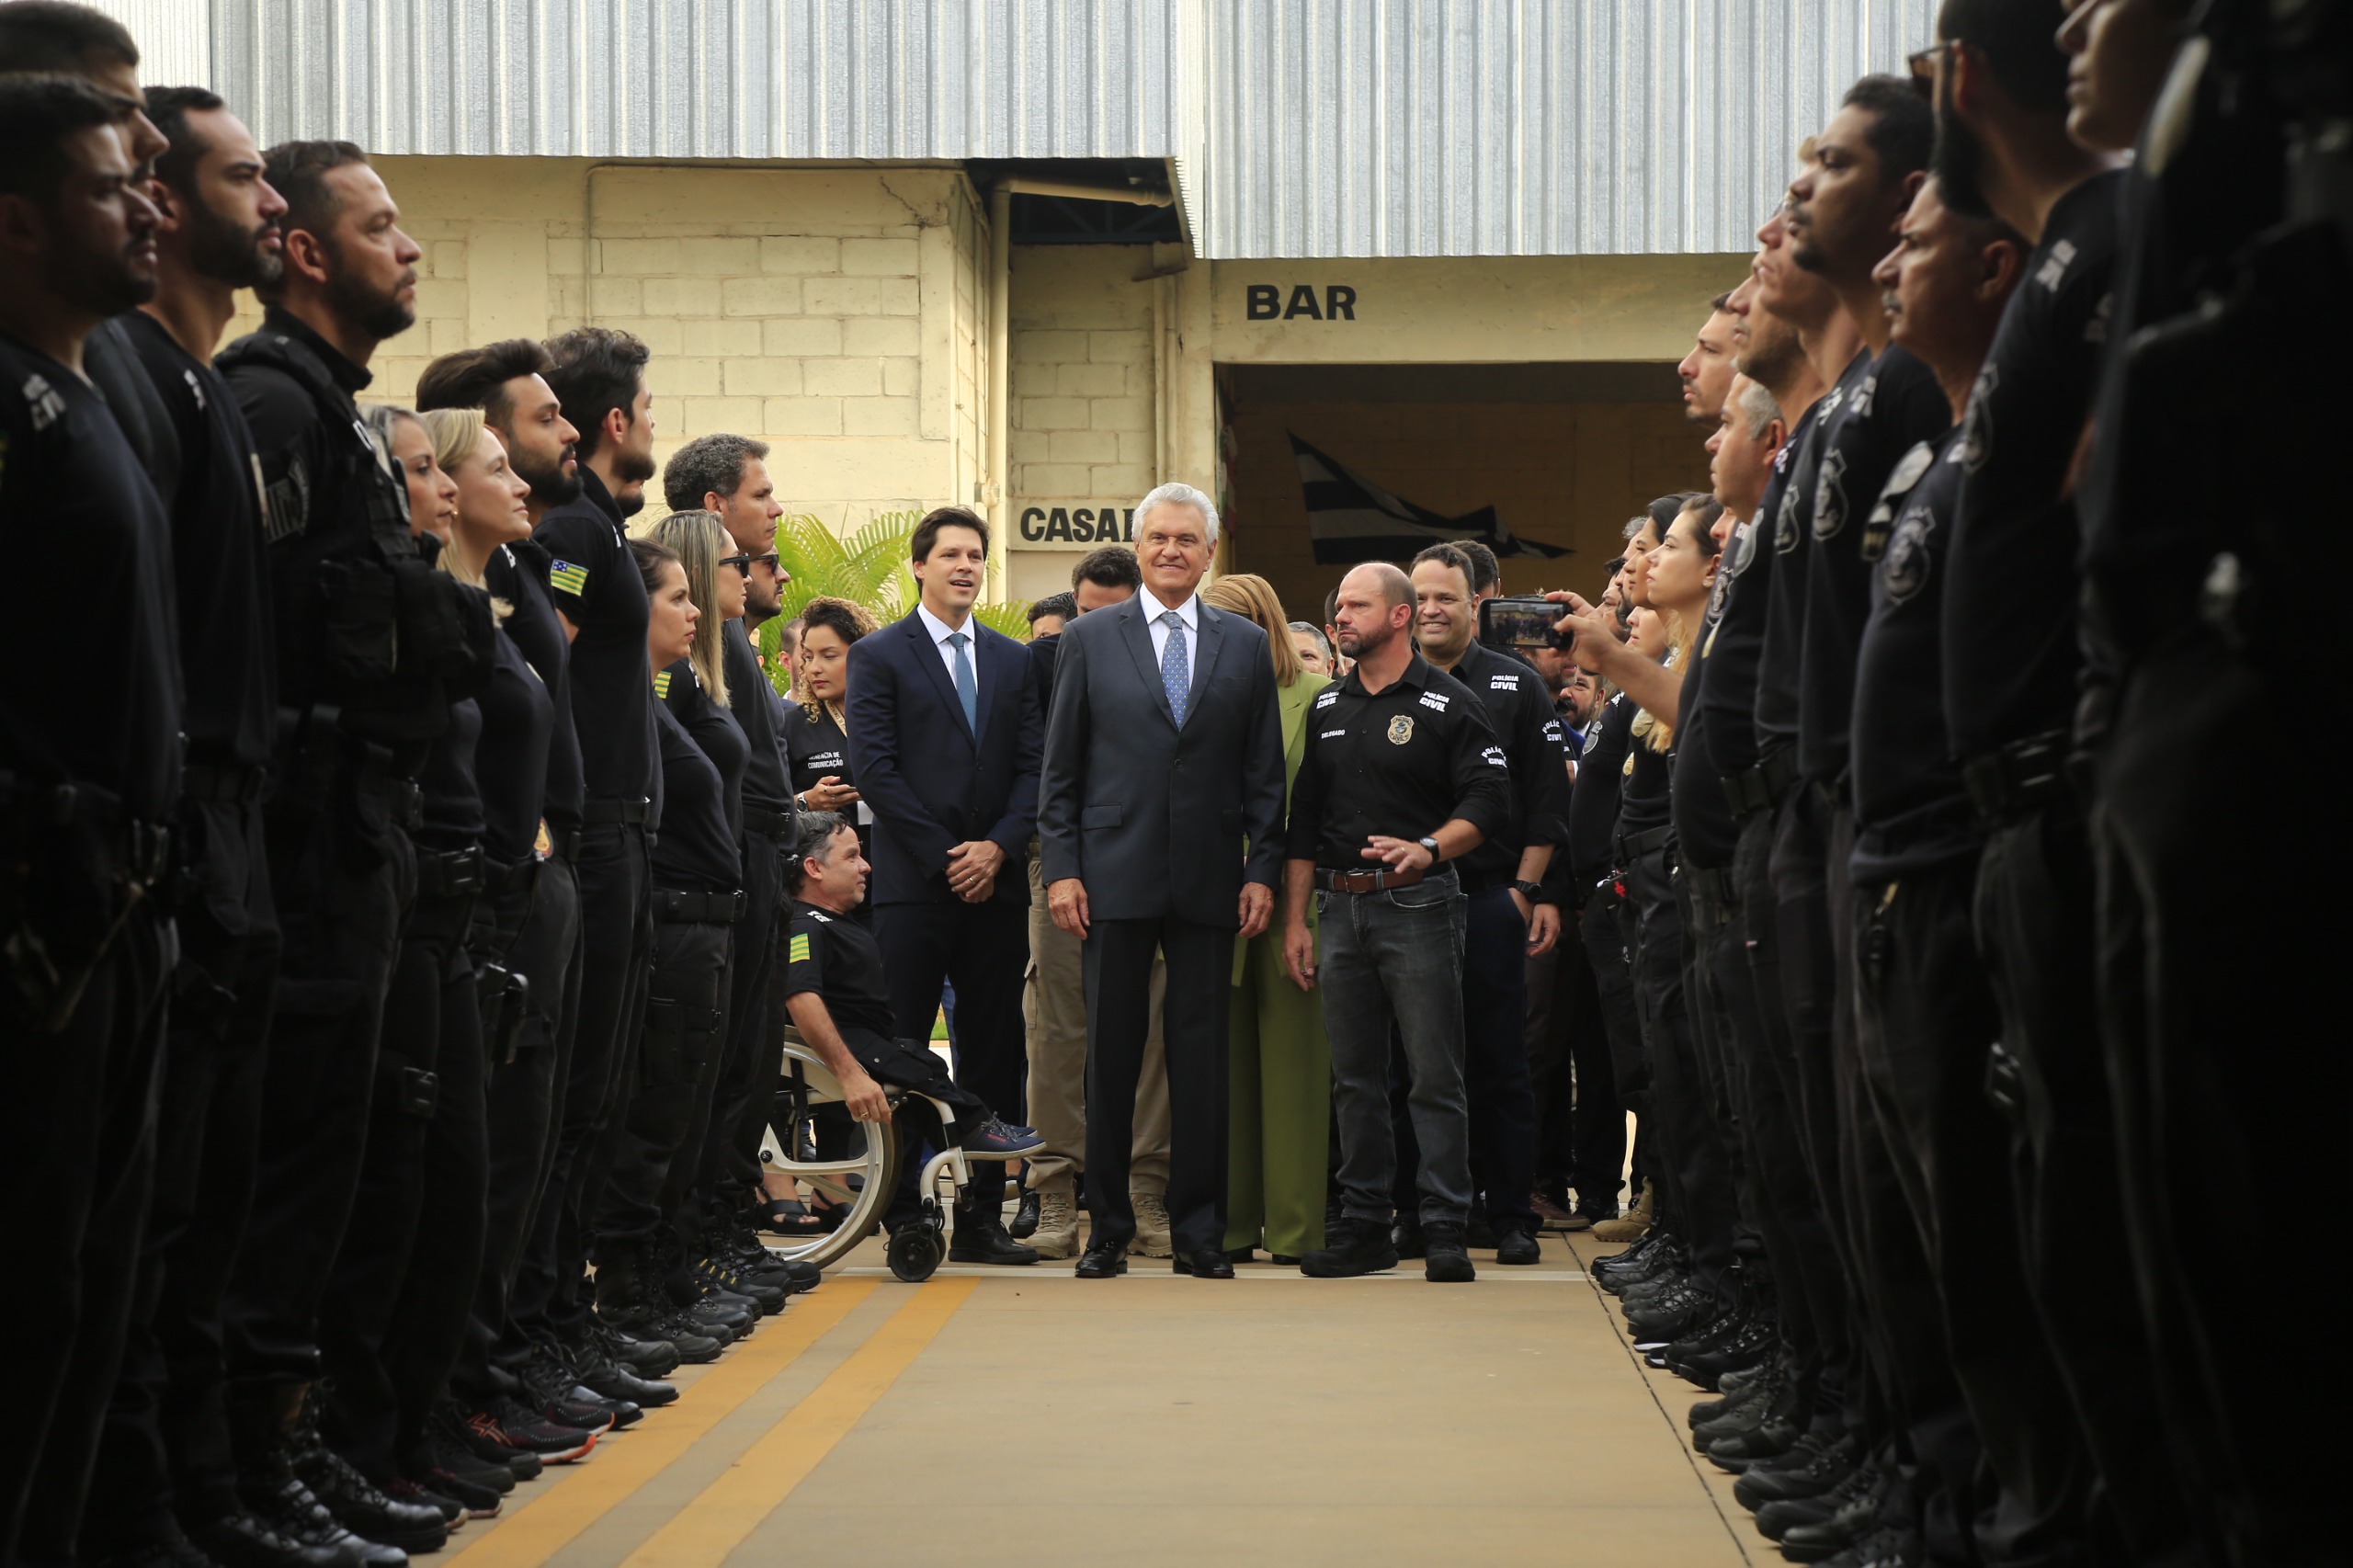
{"x": 1163, "y": 759}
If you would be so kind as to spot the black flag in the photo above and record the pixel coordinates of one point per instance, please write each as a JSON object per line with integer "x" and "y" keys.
{"x": 1352, "y": 519}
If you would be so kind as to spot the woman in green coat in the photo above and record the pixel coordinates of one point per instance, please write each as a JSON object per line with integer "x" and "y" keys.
{"x": 1279, "y": 1070}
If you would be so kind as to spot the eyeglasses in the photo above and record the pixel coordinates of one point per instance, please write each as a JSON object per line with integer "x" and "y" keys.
{"x": 1923, "y": 66}
{"x": 744, "y": 563}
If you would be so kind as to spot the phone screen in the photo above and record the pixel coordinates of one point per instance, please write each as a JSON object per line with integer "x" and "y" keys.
{"x": 1518, "y": 623}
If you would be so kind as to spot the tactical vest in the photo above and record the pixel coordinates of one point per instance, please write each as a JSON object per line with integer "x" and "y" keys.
{"x": 366, "y": 625}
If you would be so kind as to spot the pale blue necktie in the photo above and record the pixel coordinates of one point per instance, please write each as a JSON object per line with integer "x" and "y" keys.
{"x": 967, "y": 692}
{"x": 1175, "y": 669}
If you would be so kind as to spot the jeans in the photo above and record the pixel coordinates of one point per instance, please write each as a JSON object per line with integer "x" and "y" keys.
{"x": 1396, "y": 960}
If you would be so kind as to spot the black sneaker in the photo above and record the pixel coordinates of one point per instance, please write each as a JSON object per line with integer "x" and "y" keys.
{"x": 1024, "y": 1224}
{"x": 554, "y": 1395}
{"x": 1515, "y": 1244}
{"x": 359, "y": 1505}
{"x": 1444, "y": 1258}
{"x": 995, "y": 1139}
{"x": 719, "y": 1271}
{"x": 643, "y": 1353}
{"x": 276, "y": 1499}
{"x": 480, "y": 1498}
{"x": 693, "y": 1341}
{"x": 608, "y": 1379}
{"x": 506, "y": 1427}
{"x": 1352, "y": 1249}
{"x": 401, "y": 1489}
{"x": 453, "y": 1442}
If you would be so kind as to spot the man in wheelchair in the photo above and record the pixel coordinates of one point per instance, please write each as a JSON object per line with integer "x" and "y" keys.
{"x": 833, "y": 988}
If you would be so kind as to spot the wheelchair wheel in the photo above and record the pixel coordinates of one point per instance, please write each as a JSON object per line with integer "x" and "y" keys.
{"x": 857, "y": 1174}
{"x": 914, "y": 1252}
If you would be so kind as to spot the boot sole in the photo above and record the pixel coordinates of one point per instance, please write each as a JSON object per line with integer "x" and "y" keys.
{"x": 1345, "y": 1271}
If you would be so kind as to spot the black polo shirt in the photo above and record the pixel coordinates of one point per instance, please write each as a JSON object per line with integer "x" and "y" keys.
{"x": 511, "y": 757}
{"x": 1644, "y": 799}
{"x": 837, "y": 958}
{"x": 1792, "y": 541}
{"x": 229, "y": 657}
{"x": 697, "y": 850}
{"x": 1897, "y": 405}
{"x": 1732, "y": 650}
{"x": 1702, "y": 817}
{"x": 90, "y": 700}
{"x": 1400, "y": 763}
{"x": 451, "y": 814}
{"x": 1911, "y": 811}
{"x": 2015, "y": 538}
{"x": 1520, "y": 712}
{"x": 1593, "y": 802}
{"x": 595, "y": 583}
{"x": 753, "y": 702}
{"x": 518, "y": 573}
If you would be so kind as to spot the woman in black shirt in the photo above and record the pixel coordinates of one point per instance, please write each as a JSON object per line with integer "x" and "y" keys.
{"x": 816, "y": 746}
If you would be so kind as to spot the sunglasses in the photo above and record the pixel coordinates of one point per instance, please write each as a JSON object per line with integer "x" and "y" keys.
{"x": 744, "y": 563}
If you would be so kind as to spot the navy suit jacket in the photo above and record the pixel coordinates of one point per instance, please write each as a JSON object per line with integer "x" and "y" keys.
{"x": 931, "y": 782}
{"x": 1150, "y": 816}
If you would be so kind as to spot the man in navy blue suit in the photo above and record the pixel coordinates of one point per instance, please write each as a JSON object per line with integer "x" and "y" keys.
{"x": 944, "y": 740}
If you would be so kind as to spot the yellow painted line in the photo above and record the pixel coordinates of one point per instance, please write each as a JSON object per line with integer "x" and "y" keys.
{"x": 702, "y": 1533}
{"x": 566, "y": 1505}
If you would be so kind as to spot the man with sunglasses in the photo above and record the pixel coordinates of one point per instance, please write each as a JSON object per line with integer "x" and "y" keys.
{"x": 728, "y": 475}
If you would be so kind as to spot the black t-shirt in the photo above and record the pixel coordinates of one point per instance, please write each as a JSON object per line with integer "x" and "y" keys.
{"x": 1911, "y": 810}
{"x": 518, "y": 573}
{"x": 1645, "y": 799}
{"x": 1702, "y": 817}
{"x": 2015, "y": 542}
{"x": 511, "y": 758}
{"x": 596, "y": 585}
{"x": 452, "y": 803}
{"x": 837, "y": 958}
{"x": 815, "y": 750}
{"x": 701, "y": 786}
{"x": 93, "y": 701}
{"x": 1593, "y": 802}
{"x": 753, "y": 702}
{"x": 1520, "y": 711}
{"x": 1897, "y": 405}
{"x": 228, "y": 661}
{"x": 1792, "y": 541}
{"x": 1400, "y": 763}
{"x": 1727, "y": 699}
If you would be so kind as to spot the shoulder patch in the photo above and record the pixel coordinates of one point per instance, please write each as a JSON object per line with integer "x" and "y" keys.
{"x": 799, "y": 950}
{"x": 42, "y": 400}
{"x": 662, "y": 682}
{"x": 821, "y": 917}
{"x": 566, "y": 578}
{"x": 1494, "y": 755}
{"x": 1503, "y": 683}
{"x": 1435, "y": 701}
{"x": 1327, "y": 698}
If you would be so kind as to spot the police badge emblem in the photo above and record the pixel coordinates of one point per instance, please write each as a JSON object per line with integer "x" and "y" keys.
{"x": 1401, "y": 729}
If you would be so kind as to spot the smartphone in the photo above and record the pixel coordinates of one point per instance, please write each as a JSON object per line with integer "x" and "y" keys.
{"x": 1520, "y": 623}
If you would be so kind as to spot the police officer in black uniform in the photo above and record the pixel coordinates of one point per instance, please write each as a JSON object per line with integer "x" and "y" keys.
{"x": 1397, "y": 782}
{"x": 369, "y": 638}
{"x": 89, "y": 781}
{"x": 1503, "y": 880}
{"x": 599, "y": 375}
{"x": 2002, "y": 104}
{"x": 166, "y": 1446}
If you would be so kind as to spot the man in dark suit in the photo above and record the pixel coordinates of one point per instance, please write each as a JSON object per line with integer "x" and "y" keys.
{"x": 1164, "y": 758}
{"x": 944, "y": 733}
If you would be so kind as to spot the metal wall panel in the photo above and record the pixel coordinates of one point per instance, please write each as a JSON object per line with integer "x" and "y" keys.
{"x": 1521, "y": 127}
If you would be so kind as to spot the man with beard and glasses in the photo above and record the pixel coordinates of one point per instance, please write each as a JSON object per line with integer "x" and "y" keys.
{"x": 598, "y": 375}
{"x": 539, "y": 932}
{"x": 90, "y": 779}
{"x": 166, "y": 1449}
{"x": 728, "y": 476}
{"x": 2003, "y": 148}
{"x": 370, "y": 641}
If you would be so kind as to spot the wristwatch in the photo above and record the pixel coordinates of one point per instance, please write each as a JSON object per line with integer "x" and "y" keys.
{"x": 1532, "y": 891}
{"x": 1431, "y": 845}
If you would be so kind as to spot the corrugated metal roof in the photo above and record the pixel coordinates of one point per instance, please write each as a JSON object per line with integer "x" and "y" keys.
{"x": 887, "y": 79}
{"x": 1521, "y": 127}
{"x": 1298, "y": 128}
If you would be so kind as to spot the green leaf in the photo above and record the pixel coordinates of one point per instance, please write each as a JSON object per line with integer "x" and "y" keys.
{"x": 868, "y": 567}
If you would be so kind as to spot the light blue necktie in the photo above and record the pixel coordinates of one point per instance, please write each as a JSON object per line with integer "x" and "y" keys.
{"x": 967, "y": 691}
{"x": 1175, "y": 669}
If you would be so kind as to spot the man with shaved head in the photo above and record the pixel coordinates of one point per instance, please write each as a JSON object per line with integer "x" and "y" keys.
{"x": 1402, "y": 775}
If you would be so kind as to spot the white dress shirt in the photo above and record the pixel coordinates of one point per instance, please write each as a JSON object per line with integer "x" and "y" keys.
{"x": 1189, "y": 612}
{"x": 940, "y": 632}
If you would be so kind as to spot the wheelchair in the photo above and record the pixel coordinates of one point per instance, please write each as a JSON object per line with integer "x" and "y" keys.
{"x": 860, "y": 1181}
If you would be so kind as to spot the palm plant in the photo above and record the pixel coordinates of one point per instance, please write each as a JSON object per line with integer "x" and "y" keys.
{"x": 866, "y": 567}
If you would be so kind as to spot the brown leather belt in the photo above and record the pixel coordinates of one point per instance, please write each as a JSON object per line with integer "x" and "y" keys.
{"x": 1364, "y": 882}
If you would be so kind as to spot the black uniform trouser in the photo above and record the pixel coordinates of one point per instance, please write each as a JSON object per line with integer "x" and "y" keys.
{"x": 1690, "y": 1165}
{"x": 982, "y": 950}
{"x": 913, "y": 1065}
{"x": 667, "y": 1095}
{"x": 1800, "y": 1193}
{"x": 2218, "y": 1070}
{"x": 614, "y": 874}
{"x": 1706, "y": 922}
{"x": 1496, "y": 1078}
{"x": 1926, "y": 1020}
{"x": 394, "y": 1310}
{"x": 1605, "y": 929}
{"x": 77, "y": 1136}
{"x": 166, "y": 1437}
{"x": 1580, "y": 1122}
{"x": 534, "y": 932}
{"x": 1911, "y": 1395}
{"x": 343, "y": 875}
{"x": 1117, "y": 961}
{"x": 754, "y": 1039}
